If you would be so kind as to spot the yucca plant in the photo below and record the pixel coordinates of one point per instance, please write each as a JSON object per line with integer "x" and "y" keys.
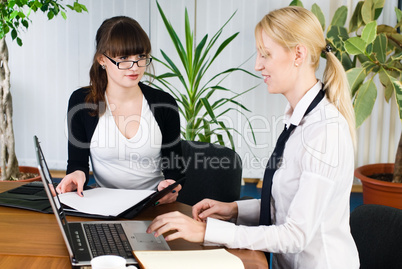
{"x": 367, "y": 51}
{"x": 192, "y": 92}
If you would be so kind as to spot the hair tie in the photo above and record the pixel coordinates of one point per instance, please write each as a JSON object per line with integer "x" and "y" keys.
{"x": 327, "y": 49}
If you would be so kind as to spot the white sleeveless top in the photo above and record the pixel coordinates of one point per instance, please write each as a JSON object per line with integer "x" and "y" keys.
{"x": 134, "y": 163}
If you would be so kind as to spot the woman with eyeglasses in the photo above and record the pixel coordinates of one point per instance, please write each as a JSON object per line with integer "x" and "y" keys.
{"x": 130, "y": 131}
{"x": 302, "y": 217}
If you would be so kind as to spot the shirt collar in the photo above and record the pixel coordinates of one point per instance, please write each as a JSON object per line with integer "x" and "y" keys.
{"x": 295, "y": 116}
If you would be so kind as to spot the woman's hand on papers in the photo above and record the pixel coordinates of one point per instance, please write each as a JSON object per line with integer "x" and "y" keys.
{"x": 71, "y": 182}
{"x": 180, "y": 225}
{"x": 171, "y": 197}
{"x": 214, "y": 209}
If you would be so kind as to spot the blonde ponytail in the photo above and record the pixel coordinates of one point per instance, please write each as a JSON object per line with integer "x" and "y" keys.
{"x": 338, "y": 91}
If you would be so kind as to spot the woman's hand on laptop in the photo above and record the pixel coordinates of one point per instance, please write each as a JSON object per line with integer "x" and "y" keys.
{"x": 181, "y": 225}
{"x": 171, "y": 197}
{"x": 71, "y": 182}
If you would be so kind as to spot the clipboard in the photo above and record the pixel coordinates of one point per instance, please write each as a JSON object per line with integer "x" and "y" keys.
{"x": 149, "y": 201}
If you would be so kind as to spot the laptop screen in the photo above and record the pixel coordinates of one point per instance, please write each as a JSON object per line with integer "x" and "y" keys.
{"x": 49, "y": 187}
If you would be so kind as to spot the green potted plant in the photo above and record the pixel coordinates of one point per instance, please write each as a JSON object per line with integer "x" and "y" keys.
{"x": 187, "y": 81}
{"x": 367, "y": 51}
{"x": 14, "y": 16}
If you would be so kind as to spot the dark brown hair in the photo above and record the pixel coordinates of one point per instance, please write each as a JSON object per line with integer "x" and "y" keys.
{"x": 117, "y": 36}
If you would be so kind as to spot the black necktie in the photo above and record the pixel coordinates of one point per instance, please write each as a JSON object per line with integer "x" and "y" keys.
{"x": 274, "y": 163}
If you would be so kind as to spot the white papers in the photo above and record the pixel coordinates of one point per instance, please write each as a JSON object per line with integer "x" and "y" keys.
{"x": 104, "y": 201}
{"x": 184, "y": 259}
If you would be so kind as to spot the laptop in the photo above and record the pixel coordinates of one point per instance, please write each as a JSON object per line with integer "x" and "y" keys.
{"x": 86, "y": 240}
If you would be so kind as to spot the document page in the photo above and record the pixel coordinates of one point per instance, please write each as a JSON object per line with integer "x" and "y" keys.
{"x": 104, "y": 201}
{"x": 184, "y": 259}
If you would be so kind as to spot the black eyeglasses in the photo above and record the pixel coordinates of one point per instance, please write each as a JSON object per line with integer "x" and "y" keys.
{"x": 123, "y": 65}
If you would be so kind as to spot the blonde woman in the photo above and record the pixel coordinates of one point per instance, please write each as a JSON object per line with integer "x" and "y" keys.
{"x": 303, "y": 215}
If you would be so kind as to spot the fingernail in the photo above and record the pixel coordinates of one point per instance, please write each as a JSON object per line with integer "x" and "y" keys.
{"x": 173, "y": 191}
{"x": 82, "y": 193}
{"x": 157, "y": 203}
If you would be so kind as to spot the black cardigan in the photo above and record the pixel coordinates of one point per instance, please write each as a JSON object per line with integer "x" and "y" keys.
{"x": 82, "y": 125}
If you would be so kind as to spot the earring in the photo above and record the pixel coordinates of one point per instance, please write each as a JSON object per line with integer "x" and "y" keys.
{"x": 296, "y": 64}
{"x": 103, "y": 66}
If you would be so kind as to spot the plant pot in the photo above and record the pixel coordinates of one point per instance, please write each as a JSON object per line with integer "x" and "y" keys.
{"x": 377, "y": 191}
{"x": 28, "y": 169}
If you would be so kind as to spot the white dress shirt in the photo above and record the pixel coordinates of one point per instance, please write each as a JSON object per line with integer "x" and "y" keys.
{"x": 127, "y": 163}
{"x": 310, "y": 196}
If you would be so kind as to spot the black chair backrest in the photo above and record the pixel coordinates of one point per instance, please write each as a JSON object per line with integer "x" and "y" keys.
{"x": 377, "y": 231}
{"x": 212, "y": 171}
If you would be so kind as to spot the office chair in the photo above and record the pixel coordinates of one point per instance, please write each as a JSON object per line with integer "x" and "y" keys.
{"x": 377, "y": 231}
{"x": 212, "y": 171}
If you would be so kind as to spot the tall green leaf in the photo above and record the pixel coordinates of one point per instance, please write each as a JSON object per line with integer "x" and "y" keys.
{"x": 320, "y": 16}
{"x": 397, "y": 57}
{"x": 364, "y": 101}
{"x": 338, "y": 34}
{"x": 398, "y": 17}
{"x": 368, "y": 11}
{"x": 174, "y": 37}
{"x": 189, "y": 46}
{"x": 398, "y": 94}
{"x": 378, "y": 6}
{"x": 355, "y": 45}
{"x": 296, "y": 3}
{"x": 386, "y": 29}
{"x": 197, "y": 56}
{"x": 222, "y": 47}
{"x": 386, "y": 81}
{"x": 362, "y": 58}
{"x": 396, "y": 39}
{"x": 357, "y": 20}
{"x": 340, "y": 15}
{"x": 355, "y": 77}
{"x": 369, "y": 66}
{"x": 380, "y": 48}
{"x": 369, "y": 32}
{"x": 345, "y": 60}
{"x": 398, "y": 14}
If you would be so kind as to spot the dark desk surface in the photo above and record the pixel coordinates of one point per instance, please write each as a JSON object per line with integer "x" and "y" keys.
{"x": 33, "y": 240}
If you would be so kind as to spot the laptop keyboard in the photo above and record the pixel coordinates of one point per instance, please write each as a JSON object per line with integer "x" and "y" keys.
{"x": 108, "y": 239}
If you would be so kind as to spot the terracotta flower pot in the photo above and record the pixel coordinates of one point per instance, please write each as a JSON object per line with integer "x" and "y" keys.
{"x": 29, "y": 169}
{"x": 377, "y": 191}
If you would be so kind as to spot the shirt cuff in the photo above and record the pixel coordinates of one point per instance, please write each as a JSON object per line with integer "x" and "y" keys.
{"x": 248, "y": 212}
{"x": 219, "y": 232}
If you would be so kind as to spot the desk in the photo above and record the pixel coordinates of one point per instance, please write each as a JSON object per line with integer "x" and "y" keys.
{"x": 33, "y": 240}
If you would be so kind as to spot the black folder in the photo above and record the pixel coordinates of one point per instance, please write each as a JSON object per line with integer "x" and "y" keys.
{"x": 32, "y": 196}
